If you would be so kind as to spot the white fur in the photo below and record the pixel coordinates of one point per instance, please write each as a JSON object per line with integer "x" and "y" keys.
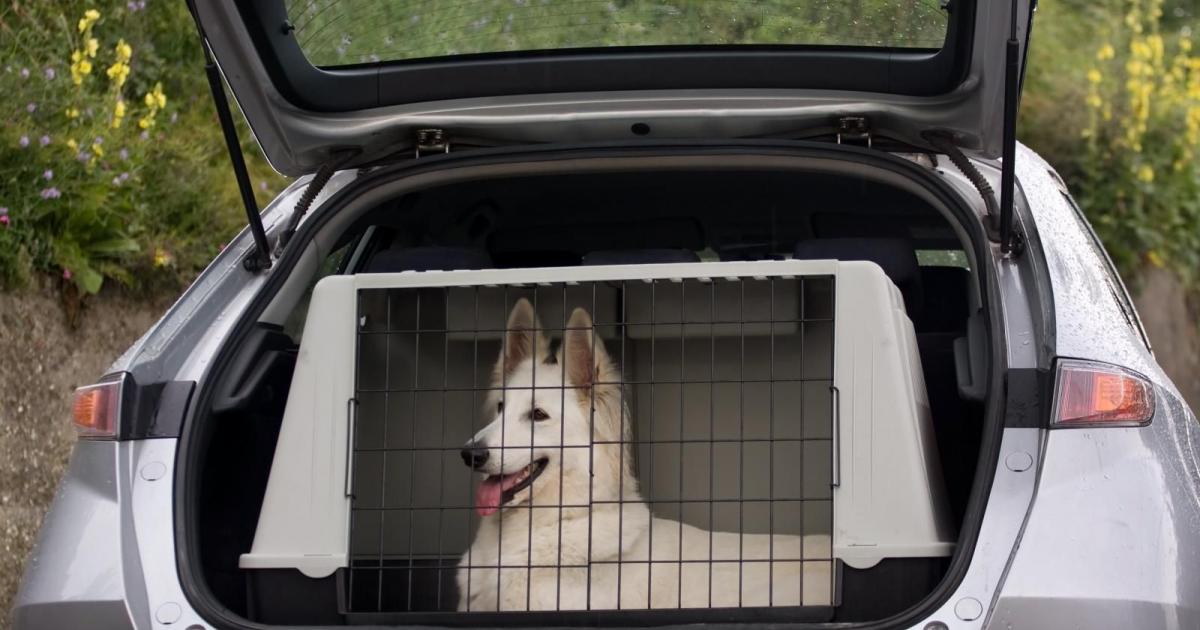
{"x": 547, "y": 561}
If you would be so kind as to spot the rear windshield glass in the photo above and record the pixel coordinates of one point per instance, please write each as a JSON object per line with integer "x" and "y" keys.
{"x": 341, "y": 32}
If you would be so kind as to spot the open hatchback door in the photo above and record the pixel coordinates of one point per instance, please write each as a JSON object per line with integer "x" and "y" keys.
{"x": 319, "y": 79}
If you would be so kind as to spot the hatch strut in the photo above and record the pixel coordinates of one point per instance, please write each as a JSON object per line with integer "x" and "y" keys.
{"x": 260, "y": 258}
{"x": 1012, "y": 85}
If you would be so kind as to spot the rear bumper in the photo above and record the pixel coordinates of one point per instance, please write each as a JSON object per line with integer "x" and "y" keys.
{"x": 1110, "y": 540}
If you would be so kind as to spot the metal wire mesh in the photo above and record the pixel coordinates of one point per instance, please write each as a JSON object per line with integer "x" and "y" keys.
{"x": 714, "y": 489}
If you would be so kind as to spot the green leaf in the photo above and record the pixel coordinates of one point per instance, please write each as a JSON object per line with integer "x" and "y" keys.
{"x": 88, "y": 280}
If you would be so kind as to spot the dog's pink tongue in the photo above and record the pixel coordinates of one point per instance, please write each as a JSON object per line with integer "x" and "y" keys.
{"x": 491, "y": 492}
{"x": 487, "y": 497}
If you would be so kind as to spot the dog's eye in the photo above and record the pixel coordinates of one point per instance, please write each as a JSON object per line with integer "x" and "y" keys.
{"x": 538, "y": 414}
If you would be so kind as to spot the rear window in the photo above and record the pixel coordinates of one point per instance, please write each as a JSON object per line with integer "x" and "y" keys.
{"x": 336, "y": 33}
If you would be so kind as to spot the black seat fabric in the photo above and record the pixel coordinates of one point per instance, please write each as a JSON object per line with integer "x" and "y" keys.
{"x": 433, "y": 258}
{"x": 895, "y": 256}
{"x": 640, "y": 257}
{"x": 945, "y": 291}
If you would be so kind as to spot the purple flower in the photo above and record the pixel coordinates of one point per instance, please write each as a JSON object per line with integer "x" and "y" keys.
{"x": 51, "y": 193}
{"x": 98, "y": 140}
{"x": 45, "y": 140}
{"x": 123, "y": 154}
{"x": 24, "y": 73}
{"x": 32, "y": 107}
{"x": 4, "y": 218}
{"x": 83, "y": 156}
{"x": 50, "y": 74}
{"x": 66, "y": 274}
{"x": 48, "y": 175}
{"x": 24, "y": 141}
{"x": 120, "y": 179}
{"x": 3, "y": 211}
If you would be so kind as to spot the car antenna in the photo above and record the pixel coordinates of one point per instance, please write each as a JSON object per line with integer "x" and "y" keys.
{"x": 1012, "y": 95}
{"x": 260, "y": 258}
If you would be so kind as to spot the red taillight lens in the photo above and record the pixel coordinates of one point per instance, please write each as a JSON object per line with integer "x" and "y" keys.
{"x": 96, "y": 409}
{"x": 1098, "y": 394}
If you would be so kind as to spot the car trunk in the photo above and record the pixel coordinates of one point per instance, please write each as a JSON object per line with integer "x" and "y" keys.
{"x": 772, "y": 376}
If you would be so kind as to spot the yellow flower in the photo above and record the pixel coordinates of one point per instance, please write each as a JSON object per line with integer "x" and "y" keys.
{"x": 89, "y": 18}
{"x": 72, "y": 112}
{"x": 1155, "y": 259}
{"x": 124, "y": 51}
{"x": 1145, "y": 173}
{"x": 118, "y": 72}
{"x": 1093, "y": 100}
{"x": 1106, "y": 52}
{"x": 1093, "y": 76}
{"x": 162, "y": 257}
{"x": 97, "y": 149}
{"x": 1185, "y": 45}
{"x": 72, "y": 145}
{"x": 160, "y": 99}
{"x": 118, "y": 113}
{"x": 92, "y": 46}
{"x": 146, "y": 122}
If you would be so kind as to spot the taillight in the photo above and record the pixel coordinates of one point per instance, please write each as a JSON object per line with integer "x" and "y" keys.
{"x": 1090, "y": 394}
{"x": 97, "y": 409}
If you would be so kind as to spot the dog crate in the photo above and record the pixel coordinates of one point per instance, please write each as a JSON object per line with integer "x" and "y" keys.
{"x": 775, "y": 421}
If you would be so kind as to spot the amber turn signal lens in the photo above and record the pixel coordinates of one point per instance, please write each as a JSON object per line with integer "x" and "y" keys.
{"x": 1097, "y": 394}
{"x": 96, "y": 409}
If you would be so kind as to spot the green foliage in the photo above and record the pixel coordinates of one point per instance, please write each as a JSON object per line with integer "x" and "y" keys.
{"x": 1120, "y": 119}
{"x": 148, "y": 207}
{"x": 112, "y": 166}
{"x": 332, "y": 32}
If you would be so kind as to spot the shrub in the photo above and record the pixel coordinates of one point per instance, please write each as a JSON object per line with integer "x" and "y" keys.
{"x": 1120, "y": 119}
{"x": 113, "y": 164}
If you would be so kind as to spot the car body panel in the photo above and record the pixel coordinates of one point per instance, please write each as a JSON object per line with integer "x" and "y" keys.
{"x": 1113, "y": 536}
{"x": 298, "y": 140}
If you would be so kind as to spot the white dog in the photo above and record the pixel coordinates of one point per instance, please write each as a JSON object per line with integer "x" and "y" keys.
{"x": 561, "y": 507}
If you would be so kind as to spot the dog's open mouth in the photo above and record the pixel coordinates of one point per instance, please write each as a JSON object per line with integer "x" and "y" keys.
{"x": 496, "y": 490}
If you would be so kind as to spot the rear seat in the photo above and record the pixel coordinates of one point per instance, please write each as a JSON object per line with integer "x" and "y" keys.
{"x": 430, "y": 258}
{"x": 639, "y": 256}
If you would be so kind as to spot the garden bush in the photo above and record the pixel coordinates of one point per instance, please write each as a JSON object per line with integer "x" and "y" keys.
{"x": 112, "y": 165}
{"x": 1119, "y": 117}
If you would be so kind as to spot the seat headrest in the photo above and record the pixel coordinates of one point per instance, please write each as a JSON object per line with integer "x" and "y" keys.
{"x": 432, "y": 258}
{"x": 895, "y": 256}
{"x": 640, "y": 257}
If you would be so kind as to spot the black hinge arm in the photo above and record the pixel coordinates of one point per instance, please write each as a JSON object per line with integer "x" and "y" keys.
{"x": 260, "y": 259}
{"x": 1012, "y": 87}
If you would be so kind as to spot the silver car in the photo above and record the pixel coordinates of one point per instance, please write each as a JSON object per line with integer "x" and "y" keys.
{"x": 487, "y": 136}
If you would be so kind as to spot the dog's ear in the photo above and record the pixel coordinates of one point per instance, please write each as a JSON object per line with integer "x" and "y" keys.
{"x": 584, "y": 357}
{"x": 522, "y": 338}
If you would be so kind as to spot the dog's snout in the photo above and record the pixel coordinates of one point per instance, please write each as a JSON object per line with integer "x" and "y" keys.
{"x": 474, "y": 456}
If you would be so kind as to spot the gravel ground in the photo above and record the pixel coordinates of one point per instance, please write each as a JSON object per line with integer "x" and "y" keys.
{"x": 41, "y": 361}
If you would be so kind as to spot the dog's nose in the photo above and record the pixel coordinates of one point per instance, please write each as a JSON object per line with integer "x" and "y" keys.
{"x": 474, "y": 456}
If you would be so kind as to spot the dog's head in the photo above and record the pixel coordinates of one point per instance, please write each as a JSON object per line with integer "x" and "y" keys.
{"x": 541, "y": 409}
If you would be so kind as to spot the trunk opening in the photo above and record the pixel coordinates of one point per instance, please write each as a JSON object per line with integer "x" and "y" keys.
{"x": 618, "y": 217}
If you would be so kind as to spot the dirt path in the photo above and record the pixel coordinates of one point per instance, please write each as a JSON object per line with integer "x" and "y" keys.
{"x": 41, "y": 361}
